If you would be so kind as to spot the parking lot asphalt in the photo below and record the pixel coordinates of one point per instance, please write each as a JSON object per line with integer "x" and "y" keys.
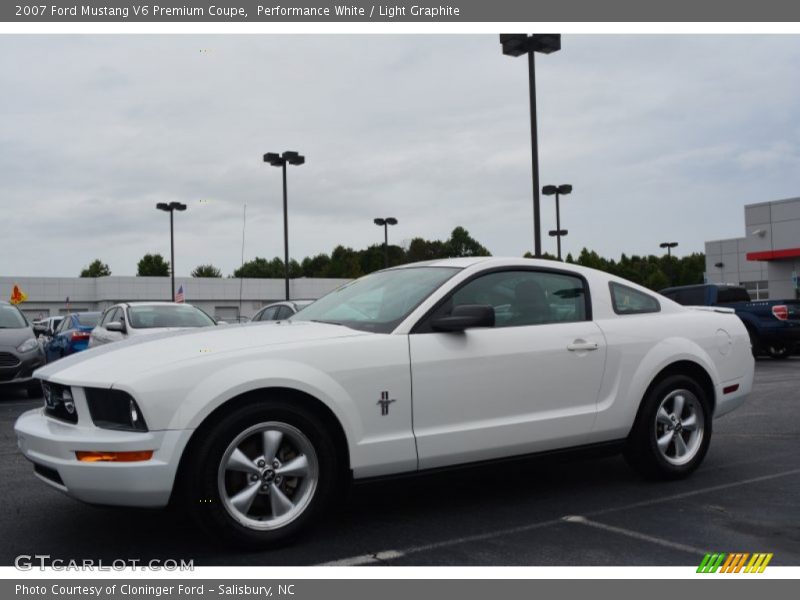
{"x": 744, "y": 498}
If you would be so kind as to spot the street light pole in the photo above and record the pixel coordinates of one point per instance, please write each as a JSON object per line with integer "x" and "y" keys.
{"x": 669, "y": 246}
{"x": 280, "y": 160}
{"x": 385, "y": 224}
{"x": 517, "y": 44}
{"x": 171, "y": 208}
{"x": 549, "y": 190}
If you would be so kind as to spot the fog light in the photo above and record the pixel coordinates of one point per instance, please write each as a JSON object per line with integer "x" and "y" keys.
{"x": 69, "y": 403}
{"x": 136, "y": 456}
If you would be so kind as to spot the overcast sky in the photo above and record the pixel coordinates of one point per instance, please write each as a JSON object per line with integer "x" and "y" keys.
{"x": 662, "y": 137}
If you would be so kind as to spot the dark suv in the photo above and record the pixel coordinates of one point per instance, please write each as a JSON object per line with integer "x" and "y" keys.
{"x": 20, "y": 352}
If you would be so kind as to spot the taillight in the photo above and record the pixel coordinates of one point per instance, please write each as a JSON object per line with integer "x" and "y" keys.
{"x": 84, "y": 335}
{"x": 780, "y": 311}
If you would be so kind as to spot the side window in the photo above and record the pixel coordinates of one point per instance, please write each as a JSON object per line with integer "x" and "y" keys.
{"x": 268, "y": 314}
{"x": 627, "y": 301}
{"x": 284, "y": 312}
{"x": 521, "y": 298}
{"x": 107, "y": 317}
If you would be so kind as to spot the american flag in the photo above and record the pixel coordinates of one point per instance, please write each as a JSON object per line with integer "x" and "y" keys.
{"x": 179, "y": 295}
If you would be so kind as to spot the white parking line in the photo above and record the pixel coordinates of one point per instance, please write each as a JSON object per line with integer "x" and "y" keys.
{"x": 364, "y": 559}
{"x": 379, "y": 557}
{"x": 713, "y": 488}
{"x": 634, "y": 534}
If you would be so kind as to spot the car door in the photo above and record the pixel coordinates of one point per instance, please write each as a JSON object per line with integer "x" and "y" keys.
{"x": 101, "y": 335}
{"x": 57, "y": 345}
{"x": 528, "y": 384}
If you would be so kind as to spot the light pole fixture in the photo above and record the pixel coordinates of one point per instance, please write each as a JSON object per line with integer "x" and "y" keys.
{"x": 669, "y": 246}
{"x": 171, "y": 208}
{"x": 560, "y": 190}
{"x": 517, "y": 44}
{"x": 385, "y": 224}
{"x": 719, "y": 265}
{"x": 280, "y": 160}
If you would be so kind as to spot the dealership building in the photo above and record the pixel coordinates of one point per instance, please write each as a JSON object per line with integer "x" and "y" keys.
{"x": 225, "y": 299}
{"x": 766, "y": 260}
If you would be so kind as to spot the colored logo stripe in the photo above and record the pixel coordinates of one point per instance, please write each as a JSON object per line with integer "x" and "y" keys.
{"x": 734, "y": 562}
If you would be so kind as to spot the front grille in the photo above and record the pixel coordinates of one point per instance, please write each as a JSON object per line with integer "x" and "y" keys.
{"x": 58, "y": 402}
{"x": 8, "y": 360}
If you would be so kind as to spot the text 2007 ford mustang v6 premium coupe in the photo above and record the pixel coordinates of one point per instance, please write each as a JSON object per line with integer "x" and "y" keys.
{"x": 255, "y": 428}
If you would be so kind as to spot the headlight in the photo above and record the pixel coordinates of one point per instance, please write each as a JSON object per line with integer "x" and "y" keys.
{"x": 28, "y": 345}
{"x": 114, "y": 409}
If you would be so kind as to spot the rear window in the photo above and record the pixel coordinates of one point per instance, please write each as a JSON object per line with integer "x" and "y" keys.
{"x": 628, "y": 301}
{"x": 691, "y": 296}
{"x": 88, "y": 319}
{"x": 732, "y": 294}
{"x": 149, "y": 317}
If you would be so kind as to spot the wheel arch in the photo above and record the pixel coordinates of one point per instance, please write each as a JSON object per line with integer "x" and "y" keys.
{"x": 301, "y": 398}
{"x": 682, "y": 367}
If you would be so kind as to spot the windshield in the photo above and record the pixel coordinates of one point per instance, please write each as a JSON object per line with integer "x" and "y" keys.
{"x": 11, "y": 318}
{"x": 148, "y": 317}
{"x": 377, "y": 302}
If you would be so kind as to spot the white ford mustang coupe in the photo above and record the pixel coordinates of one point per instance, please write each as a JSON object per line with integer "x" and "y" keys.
{"x": 255, "y": 428}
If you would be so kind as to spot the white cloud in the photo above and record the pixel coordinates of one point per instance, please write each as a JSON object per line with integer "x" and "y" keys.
{"x": 661, "y": 136}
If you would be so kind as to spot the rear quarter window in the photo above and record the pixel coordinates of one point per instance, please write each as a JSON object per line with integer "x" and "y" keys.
{"x": 628, "y": 301}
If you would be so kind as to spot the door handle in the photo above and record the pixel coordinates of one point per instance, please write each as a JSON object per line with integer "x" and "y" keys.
{"x": 582, "y": 346}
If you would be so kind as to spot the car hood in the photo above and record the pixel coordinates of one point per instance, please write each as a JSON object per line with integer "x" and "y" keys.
{"x": 12, "y": 338}
{"x": 102, "y": 366}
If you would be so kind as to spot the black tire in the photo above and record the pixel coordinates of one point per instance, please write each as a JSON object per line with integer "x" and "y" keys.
{"x": 778, "y": 351}
{"x": 754, "y": 343}
{"x": 34, "y": 389}
{"x": 642, "y": 450}
{"x": 201, "y": 493}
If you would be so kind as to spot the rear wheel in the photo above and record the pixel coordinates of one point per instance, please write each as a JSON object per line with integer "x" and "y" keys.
{"x": 672, "y": 432}
{"x": 263, "y": 474}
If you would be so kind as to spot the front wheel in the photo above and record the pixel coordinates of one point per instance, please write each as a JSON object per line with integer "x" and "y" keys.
{"x": 778, "y": 351}
{"x": 264, "y": 473}
{"x": 672, "y": 431}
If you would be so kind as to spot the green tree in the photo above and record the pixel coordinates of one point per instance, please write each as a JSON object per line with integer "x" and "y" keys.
{"x": 206, "y": 271}
{"x": 462, "y": 244}
{"x": 96, "y": 269}
{"x": 152, "y": 265}
{"x": 261, "y": 268}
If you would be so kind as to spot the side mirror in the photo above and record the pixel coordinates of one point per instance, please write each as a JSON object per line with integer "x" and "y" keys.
{"x": 466, "y": 316}
{"x": 116, "y": 326}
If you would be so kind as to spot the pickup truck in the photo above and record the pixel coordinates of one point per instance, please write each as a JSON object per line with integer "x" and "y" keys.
{"x": 773, "y": 325}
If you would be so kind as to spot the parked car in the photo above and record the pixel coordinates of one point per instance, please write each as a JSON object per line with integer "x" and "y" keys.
{"x": 71, "y": 335}
{"x": 47, "y": 326}
{"x": 773, "y": 325}
{"x": 277, "y": 311}
{"x": 255, "y": 429}
{"x": 20, "y": 352}
{"x": 133, "y": 319}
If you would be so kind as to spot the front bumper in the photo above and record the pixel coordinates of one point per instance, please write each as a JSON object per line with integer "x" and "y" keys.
{"x": 51, "y": 445}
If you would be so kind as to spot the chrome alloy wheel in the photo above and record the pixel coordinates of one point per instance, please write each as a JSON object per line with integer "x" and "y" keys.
{"x": 268, "y": 475}
{"x": 679, "y": 427}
